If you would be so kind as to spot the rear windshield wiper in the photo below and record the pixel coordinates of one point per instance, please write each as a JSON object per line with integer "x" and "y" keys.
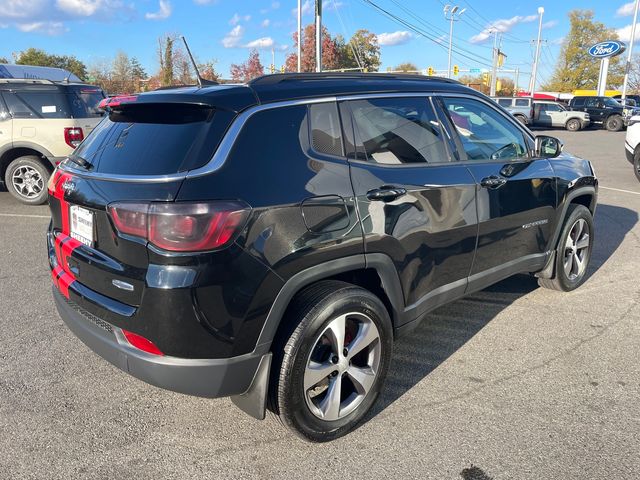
{"x": 78, "y": 160}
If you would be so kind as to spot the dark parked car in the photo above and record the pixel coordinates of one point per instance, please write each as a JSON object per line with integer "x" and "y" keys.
{"x": 602, "y": 110}
{"x": 269, "y": 241}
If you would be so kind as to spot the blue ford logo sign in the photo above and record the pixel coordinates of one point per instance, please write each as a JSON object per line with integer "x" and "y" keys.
{"x": 610, "y": 48}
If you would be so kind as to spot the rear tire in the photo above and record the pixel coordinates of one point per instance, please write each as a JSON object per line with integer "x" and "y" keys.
{"x": 330, "y": 364}
{"x": 573, "y": 125}
{"x": 636, "y": 165}
{"x": 573, "y": 252}
{"x": 614, "y": 123}
{"x": 26, "y": 179}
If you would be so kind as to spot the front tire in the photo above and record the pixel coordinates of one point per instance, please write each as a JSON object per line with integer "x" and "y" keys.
{"x": 614, "y": 123}
{"x": 26, "y": 179}
{"x": 573, "y": 252}
{"x": 330, "y": 365}
{"x": 573, "y": 125}
{"x": 636, "y": 165}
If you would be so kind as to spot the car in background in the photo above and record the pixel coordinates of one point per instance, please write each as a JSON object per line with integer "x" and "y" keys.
{"x": 520, "y": 107}
{"x": 553, "y": 114}
{"x": 41, "y": 123}
{"x": 635, "y": 98}
{"x": 604, "y": 111}
{"x": 632, "y": 144}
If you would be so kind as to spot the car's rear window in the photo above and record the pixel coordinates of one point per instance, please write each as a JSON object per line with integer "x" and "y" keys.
{"x": 150, "y": 139}
{"x": 55, "y": 102}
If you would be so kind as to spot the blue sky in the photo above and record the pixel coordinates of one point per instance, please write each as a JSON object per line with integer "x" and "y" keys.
{"x": 225, "y": 30}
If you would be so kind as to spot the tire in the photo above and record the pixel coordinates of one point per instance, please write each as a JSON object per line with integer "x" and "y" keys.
{"x": 314, "y": 314}
{"x": 26, "y": 179}
{"x": 521, "y": 118}
{"x": 573, "y": 252}
{"x": 573, "y": 125}
{"x": 636, "y": 165}
{"x": 614, "y": 123}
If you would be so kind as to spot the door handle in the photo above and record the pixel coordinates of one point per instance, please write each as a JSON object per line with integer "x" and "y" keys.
{"x": 493, "y": 182}
{"x": 386, "y": 193}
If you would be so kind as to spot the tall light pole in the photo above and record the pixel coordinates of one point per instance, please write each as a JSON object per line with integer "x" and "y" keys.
{"x": 318, "y": 35}
{"x": 534, "y": 71}
{"x": 299, "y": 36}
{"x": 450, "y": 13}
{"x": 633, "y": 37}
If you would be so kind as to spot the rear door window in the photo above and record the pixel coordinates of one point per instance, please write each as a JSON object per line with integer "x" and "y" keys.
{"x": 522, "y": 102}
{"x": 47, "y": 104}
{"x": 397, "y": 131}
{"x": 18, "y": 108}
{"x": 326, "y": 133}
{"x": 152, "y": 139}
{"x": 505, "y": 102}
{"x": 83, "y": 101}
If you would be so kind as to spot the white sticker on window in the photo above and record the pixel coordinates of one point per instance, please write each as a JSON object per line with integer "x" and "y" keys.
{"x": 48, "y": 109}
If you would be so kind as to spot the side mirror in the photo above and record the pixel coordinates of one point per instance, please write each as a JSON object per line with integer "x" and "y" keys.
{"x": 547, "y": 147}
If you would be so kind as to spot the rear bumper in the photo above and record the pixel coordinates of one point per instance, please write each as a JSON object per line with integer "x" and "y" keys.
{"x": 201, "y": 377}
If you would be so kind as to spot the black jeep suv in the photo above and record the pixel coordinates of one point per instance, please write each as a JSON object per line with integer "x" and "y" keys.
{"x": 602, "y": 110}
{"x": 269, "y": 241}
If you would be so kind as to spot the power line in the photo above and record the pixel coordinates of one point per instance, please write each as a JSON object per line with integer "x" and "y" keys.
{"x": 459, "y": 51}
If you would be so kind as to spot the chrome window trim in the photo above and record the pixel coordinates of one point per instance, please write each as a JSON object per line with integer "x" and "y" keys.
{"x": 228, "y": 140}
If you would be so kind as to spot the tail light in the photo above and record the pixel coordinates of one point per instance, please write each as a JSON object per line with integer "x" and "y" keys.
{"x": 141, "y": 343}
{"x": 181, "y": 227}
{"x": 73, "y": 136}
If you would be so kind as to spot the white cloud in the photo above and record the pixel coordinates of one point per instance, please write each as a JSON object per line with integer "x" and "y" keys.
{"x": 236, "y": 19}
{"x": 234, "y": 37}
{"x": 163, "y": 12}
{"x": 395, "y": 38}
{"x": 22, "y": 8}
{"x": 502, "y": 25}
{"x": 306, "y": 9}
{"x": 205, "y": 2}
{"x": 81, "y": 8}
{"x": 626, "y": 10}
{"x": 549, "y": 24}
{"x": 46, "y": 28}
{"x": 624, "y": 33}
{"x": 275, "y": 5}
{"x": 261, "y": 43}
{"x": 265, "y": 23}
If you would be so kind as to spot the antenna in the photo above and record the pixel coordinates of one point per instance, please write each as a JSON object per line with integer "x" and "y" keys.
{"x": 201, "y": 81}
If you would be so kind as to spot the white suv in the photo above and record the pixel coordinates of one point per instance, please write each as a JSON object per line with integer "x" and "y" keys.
{"x": 41, "y": 122}
{"x": 632, "y": 142}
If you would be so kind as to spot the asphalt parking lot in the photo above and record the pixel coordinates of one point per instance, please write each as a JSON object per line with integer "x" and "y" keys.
{"x": 514, "y": 382}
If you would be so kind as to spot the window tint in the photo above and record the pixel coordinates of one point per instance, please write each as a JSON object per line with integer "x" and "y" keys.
{"x": 83, "y": 101}
{"x": 149, "y": 140}
{"x": 522, "y": 102}
{"x": 4, "y": 112}
{"x": 592, "y": 102}
{"x": 484, "y": 132}
{"x": 398, "y": 131}
{"x": 578, "y": 102}
{"x": 17, "y": 107}
{"x": 50, "y": 104}
{"x": 553, "y": 108}
{"x": 505, "y": 102}
{"x": 326, "y": 134}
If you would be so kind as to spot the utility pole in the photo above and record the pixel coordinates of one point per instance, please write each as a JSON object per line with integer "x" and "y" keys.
{"x": 494, "y": 66}
{"x": 450, "y": 13}
{"x": 299, "y": 36}
{"x": 273, "y": 59}
{"x": 633, "y": 37}
{"x": 515, "y": 86}
{"x": 318, "y": 35}
{"x": 534, "y": 71}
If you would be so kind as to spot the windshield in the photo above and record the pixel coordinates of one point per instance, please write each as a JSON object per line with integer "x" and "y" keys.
{"x": 610, "y": 102}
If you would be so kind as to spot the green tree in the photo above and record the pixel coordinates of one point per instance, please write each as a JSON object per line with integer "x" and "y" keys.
{"x": 406, "y": 67}
{"x": 35, "y": 56}
{"x": 137, "y": 70}
{"x": 167, "y": 73}
{"x": 575, "y": 68}
{"x": 362, "y": 51}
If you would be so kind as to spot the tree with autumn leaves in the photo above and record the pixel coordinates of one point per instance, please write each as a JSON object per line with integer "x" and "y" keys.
{"x": 248, "y": 70}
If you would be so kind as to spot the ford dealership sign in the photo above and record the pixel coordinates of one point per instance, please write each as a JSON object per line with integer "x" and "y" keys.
{"x": 610, "y": 48}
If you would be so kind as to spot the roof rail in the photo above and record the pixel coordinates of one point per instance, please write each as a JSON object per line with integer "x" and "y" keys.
{"x": 27, "y": 80}
{"x": 276, "y": 78}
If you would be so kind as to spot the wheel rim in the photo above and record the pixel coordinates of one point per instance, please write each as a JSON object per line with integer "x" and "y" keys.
{"x": 573, "y": 125}
{"x": 576, "y": 250}
{"x": 27, "y": 182}
{"x": 342, "y": 366}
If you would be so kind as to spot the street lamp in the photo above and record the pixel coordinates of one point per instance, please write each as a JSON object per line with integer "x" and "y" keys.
{"x": 451, "y": 13}
{"x": 534, "y": 73}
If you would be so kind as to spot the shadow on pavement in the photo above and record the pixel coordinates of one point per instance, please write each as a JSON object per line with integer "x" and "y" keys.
{"x": 448, "y": 328}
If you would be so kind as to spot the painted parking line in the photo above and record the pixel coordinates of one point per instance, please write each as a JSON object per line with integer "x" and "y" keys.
{"x": 20, "y": 215}
{"x": 620, "y": 190}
